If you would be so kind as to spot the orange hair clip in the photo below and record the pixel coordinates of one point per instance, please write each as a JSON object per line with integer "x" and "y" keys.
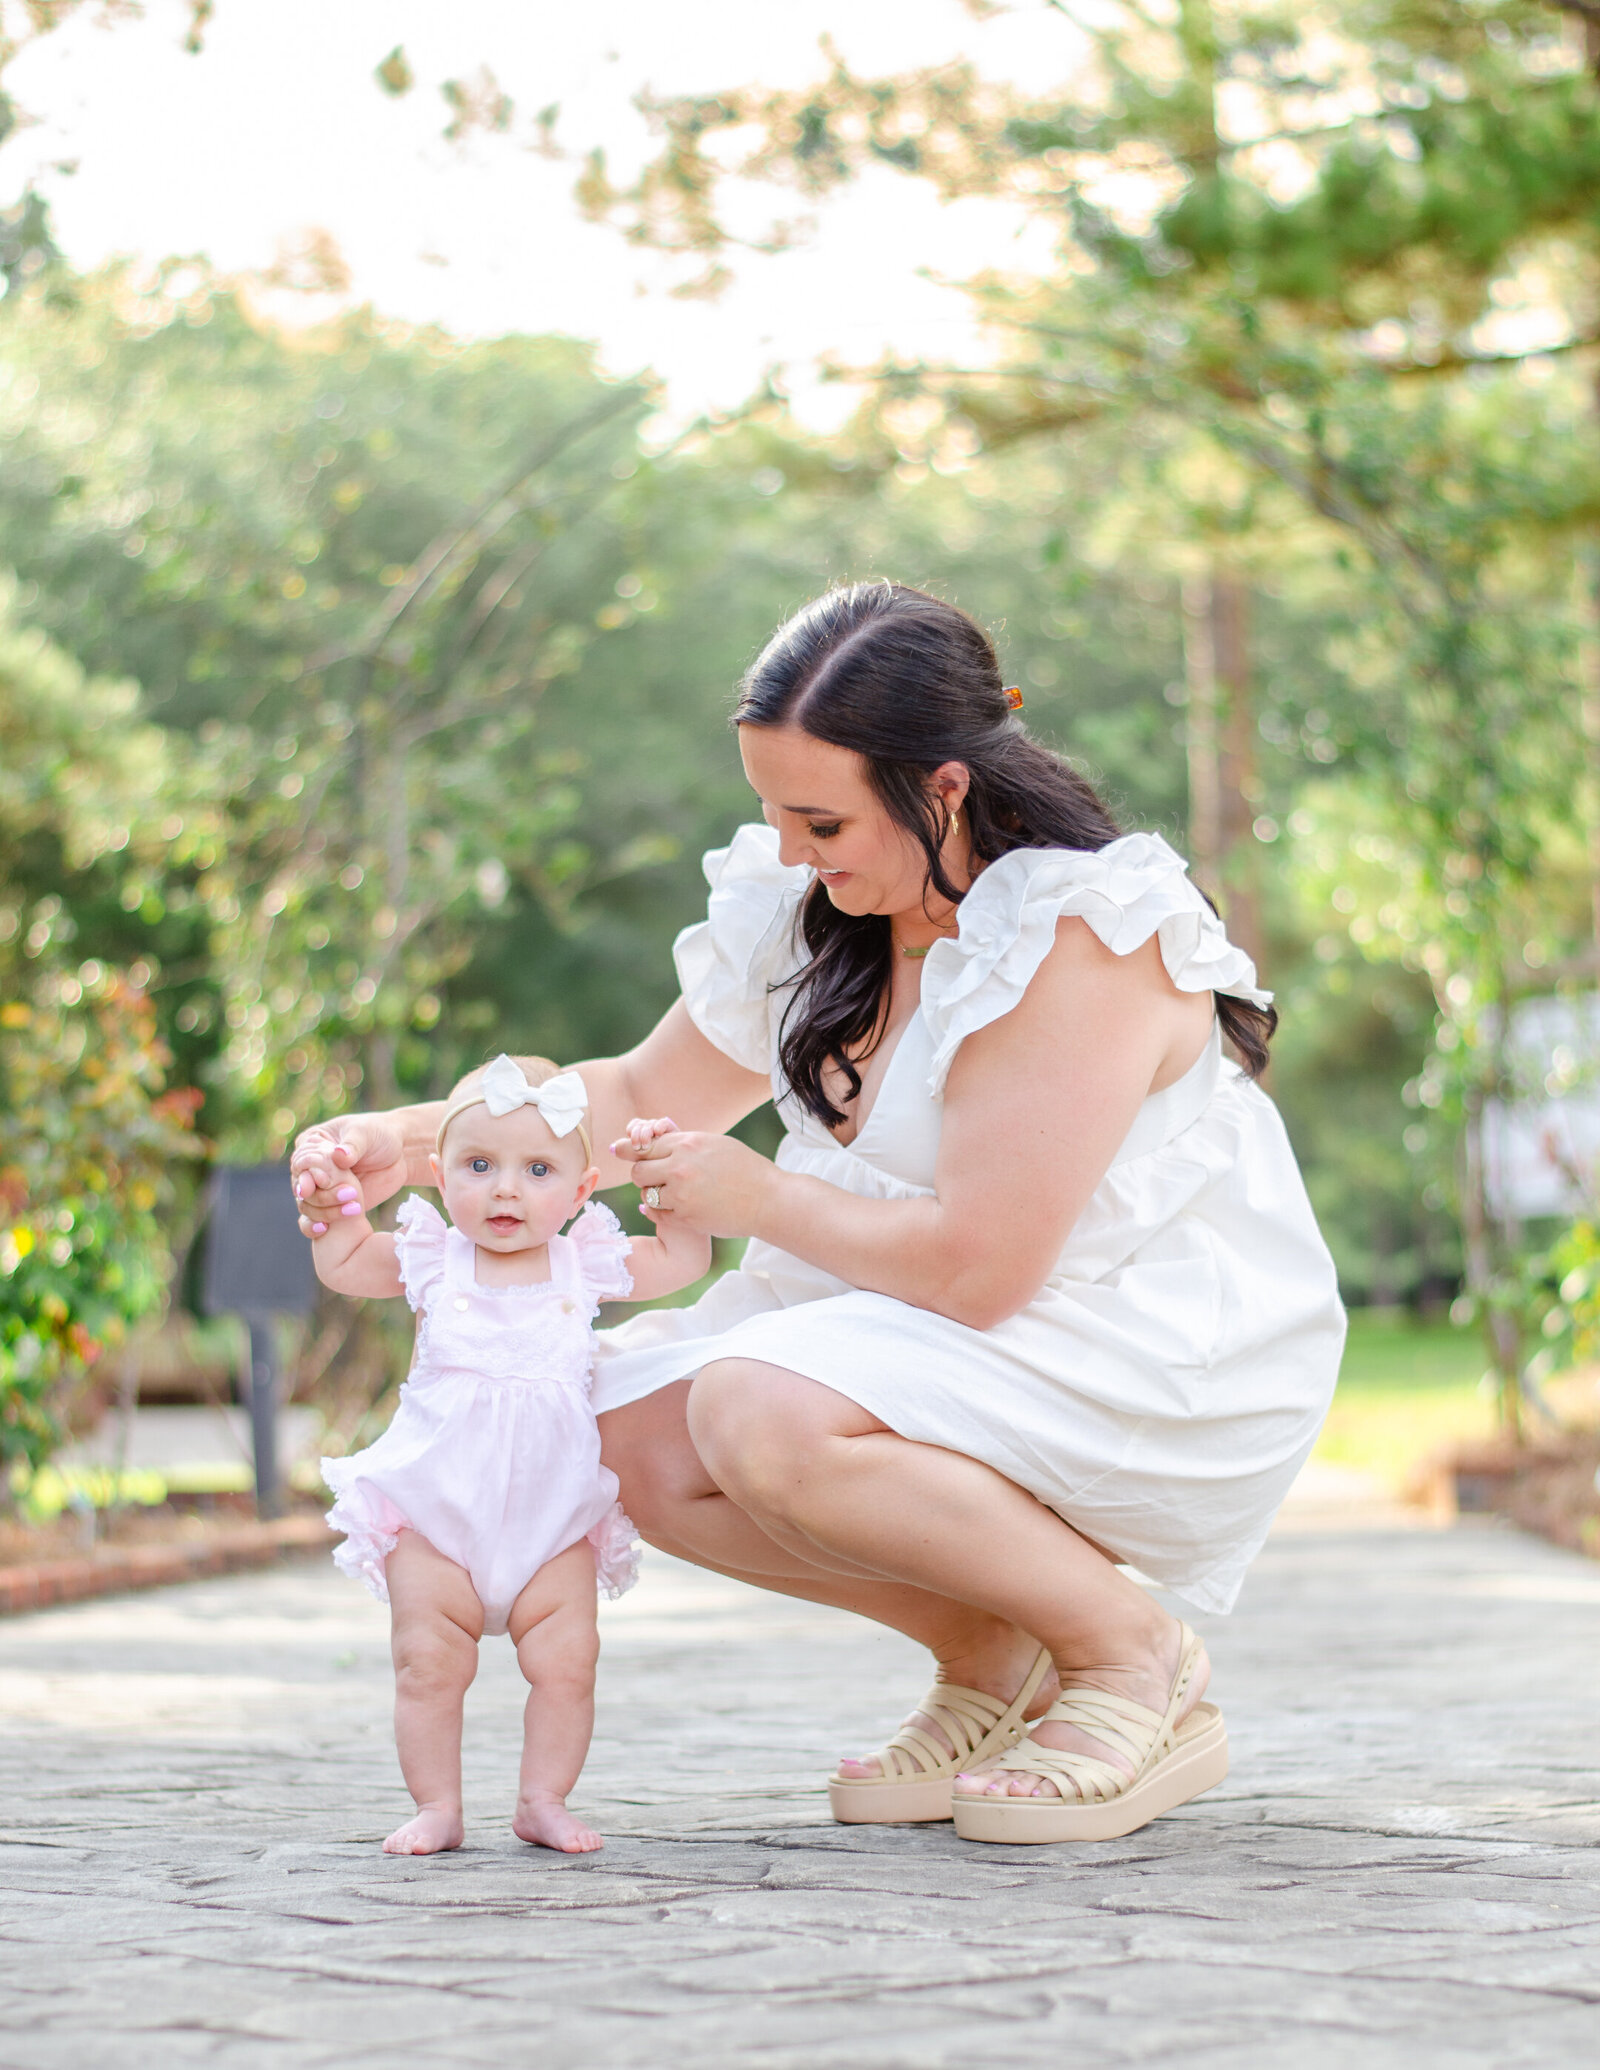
{"x": 1013, "y": 697}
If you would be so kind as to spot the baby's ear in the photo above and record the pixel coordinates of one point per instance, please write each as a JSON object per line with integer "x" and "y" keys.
{"x": 436, "y": 1168}
{"x": 586, "y": 1186}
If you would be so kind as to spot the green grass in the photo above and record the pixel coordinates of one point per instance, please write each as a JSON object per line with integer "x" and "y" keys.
{"x": 1407, "y": 1390}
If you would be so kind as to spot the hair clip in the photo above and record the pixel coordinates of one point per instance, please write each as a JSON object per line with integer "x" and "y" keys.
{"x": 1013, "y": 697}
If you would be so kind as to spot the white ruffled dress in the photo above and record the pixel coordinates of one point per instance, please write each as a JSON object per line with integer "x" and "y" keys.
{"x": 1165, "y": 1385}
{"x": 493, "y": 1455}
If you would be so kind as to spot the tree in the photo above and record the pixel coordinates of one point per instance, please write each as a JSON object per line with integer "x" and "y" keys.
{"x": 1304, "y": 241}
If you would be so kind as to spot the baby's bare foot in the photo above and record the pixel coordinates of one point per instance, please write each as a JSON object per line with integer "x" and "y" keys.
{"x": 546, "y": 1822}
{"x": 435, "y": 1829}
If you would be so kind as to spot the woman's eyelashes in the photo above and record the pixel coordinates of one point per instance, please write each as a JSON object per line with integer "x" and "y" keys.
{"x": 825, "y": 833}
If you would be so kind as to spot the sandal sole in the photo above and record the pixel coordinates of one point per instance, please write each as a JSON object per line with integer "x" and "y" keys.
{"x": 891, "y": 1803}
{"x": 1198, "y": 1762}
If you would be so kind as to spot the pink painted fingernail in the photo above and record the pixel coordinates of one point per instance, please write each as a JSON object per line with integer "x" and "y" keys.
{"x": 346, "y": 1193}
{"x": 351, "y": 1207}
{"x": 319, "y": 1229}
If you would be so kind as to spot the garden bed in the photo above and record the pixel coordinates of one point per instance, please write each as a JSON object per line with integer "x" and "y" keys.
{"x": 44, "y": 1564}
{"x": 1548, "y": 1487}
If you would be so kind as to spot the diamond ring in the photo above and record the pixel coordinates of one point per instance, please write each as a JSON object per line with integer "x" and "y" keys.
{"x": 652, "y": 1196}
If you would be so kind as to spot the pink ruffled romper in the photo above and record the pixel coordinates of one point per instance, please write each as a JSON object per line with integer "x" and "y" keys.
{"x": 493, "y": 1455}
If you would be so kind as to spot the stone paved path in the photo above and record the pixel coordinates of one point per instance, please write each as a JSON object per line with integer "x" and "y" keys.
{"x": 1403, "y": 1869}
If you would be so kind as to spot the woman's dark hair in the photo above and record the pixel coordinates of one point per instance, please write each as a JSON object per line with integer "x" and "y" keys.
{"x": 909, "y": 682}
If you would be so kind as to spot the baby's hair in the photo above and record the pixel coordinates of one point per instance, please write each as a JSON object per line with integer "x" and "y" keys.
{"x": 536, "y": 1070}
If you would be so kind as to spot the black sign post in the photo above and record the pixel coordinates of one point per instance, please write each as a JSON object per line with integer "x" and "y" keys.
{"x": 258, "y": 1266}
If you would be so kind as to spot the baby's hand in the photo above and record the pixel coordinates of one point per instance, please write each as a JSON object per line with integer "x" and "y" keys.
{"x": 350, "y": 1203}
{"x": 643, "y": 1133}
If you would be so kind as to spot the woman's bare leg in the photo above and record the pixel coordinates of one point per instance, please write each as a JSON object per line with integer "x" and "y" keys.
{"x": 808, "y": 1461}
{"x": 679, "y": 1508}
{"x": 436, "y": 1623}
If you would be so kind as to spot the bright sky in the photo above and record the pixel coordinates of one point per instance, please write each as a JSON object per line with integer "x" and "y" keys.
{"x": 279, "y": 126}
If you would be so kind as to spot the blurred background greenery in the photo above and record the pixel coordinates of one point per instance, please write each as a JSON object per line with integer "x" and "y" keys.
{"x": 363, "y": 688}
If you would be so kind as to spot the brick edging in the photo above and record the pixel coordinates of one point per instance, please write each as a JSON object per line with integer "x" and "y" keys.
{"x": 112, "y": 1569}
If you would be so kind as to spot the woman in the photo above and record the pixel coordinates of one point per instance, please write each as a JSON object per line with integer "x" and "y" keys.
{"x": 1033, "y": 1292}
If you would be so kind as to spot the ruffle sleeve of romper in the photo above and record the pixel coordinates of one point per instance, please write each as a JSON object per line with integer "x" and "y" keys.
{"x": 747, "y": 942}
{"x": 419, "y": 1242}
{"x": 603, "y": 1245}
{"x": 1134, "y": 887}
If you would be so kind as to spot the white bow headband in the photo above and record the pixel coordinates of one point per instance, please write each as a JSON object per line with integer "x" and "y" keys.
{"x": 562, "y": 1100}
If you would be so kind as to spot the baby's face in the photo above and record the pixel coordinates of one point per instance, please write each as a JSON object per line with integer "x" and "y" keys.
{"x": 510, "y": 1182}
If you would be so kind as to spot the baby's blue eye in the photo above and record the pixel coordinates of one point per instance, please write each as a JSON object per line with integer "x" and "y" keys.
{"x": 539, "y": 1171}
{"x": 479, "y": 1164}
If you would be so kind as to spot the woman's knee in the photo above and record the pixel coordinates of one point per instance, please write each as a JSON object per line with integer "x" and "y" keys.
{"x": 757, "y": 1429}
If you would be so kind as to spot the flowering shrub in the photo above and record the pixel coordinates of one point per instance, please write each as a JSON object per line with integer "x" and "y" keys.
{"x": 86, "y": 1168}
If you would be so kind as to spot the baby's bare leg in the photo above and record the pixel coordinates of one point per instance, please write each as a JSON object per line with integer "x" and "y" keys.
{"x": 553, "y": 1629}
{"x": 437, "y": 1622}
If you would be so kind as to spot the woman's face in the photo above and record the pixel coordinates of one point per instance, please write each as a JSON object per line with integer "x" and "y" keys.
{"x": 828, "y": 816}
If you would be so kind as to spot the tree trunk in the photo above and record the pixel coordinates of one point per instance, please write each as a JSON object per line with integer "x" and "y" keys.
{"x": 1221, "y": 735}
{"x": 1588, "y": 572}
{"x": 1500, "y": 1327}
{"x": 1200, "y": 733}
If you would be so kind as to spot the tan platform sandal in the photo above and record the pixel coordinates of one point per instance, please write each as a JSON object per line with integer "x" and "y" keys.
{"x": 1171, "y": 1764}
{"x": 915, "y": 1785}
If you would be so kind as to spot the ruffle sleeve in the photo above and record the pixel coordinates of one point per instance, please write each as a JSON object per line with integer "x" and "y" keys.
{"x": 1132, "y": 888}
{"x": 419, "y": 1242}
{"x": 747, "y": 942}
{"x": 603, "y": 1245}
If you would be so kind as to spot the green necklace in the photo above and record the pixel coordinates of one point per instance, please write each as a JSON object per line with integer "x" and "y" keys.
{"x": 917, "y": 955}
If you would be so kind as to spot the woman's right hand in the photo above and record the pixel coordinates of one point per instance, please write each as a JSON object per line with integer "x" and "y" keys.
{"x": 370, "y": 1147}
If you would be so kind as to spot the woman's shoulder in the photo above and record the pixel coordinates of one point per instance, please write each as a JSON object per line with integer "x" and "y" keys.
{"x": 747, "y": 943}
{"x": 751, "y": 889}
{"x": 1134, "y": 888}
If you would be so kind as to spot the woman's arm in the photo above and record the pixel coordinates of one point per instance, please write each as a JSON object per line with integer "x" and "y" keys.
{"x": 1037, "y": 1105}
{"x": 675, "y": 1070}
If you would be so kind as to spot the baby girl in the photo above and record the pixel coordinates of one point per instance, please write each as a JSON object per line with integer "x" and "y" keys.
{"x": 484, "y": 1506}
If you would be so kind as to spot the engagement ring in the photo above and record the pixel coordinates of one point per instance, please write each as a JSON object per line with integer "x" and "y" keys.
{"x": 652, "y": 1196}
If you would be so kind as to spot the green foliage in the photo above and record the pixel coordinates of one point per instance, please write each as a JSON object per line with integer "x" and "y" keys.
{"x": 1565, "y": 1284}
{"x": 86, "y": 1191}
{"x": 93, "y": 1145}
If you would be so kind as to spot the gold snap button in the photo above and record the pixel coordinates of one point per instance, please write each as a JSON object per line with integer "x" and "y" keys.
{"x": 566, "y": 1308}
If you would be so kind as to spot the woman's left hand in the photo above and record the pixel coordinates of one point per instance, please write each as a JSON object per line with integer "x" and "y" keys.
{"x": 708, "y": 1184}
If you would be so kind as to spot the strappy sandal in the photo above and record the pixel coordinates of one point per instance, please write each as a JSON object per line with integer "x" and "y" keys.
{"x": 917, "y": 1771}
{"x": 1171, "y": 1764}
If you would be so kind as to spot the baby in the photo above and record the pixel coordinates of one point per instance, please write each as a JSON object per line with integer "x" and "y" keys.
{"x": 484, "y": 1506}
